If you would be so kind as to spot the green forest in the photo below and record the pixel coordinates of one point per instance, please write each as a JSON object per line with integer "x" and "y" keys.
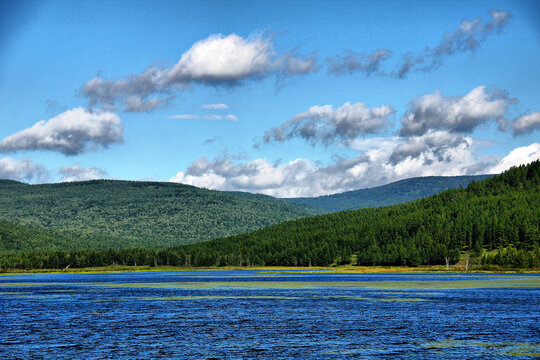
{"x": 496, "y": 220}
{"x": 103, "y": 214}
{"x": 394, "y": 193}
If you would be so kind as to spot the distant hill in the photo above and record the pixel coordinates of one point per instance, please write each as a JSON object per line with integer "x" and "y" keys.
{"x": 394, "y": 193}
{"x": 102, "y": 214}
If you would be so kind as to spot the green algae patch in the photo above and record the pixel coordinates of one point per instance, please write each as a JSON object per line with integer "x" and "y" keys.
{"x": 218, "y": 297}
{"x": 500, "y": 349}
{"x": 408, "y": 293}
{"x": 520, "y": 282}
{"x": 24, "y": 284}
{"x": 374, "y": 299}
{"x": 394, "y": 299}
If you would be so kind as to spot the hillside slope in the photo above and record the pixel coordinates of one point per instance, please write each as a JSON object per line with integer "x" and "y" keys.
{"x": 104, "y": 214}
{"x": 15, "y": 238}
{"x": 499, "y": 212}
{"x": 394, "y": 193}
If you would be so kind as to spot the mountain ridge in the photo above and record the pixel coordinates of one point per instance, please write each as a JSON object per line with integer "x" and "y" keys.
{"x": 396, "y": 192}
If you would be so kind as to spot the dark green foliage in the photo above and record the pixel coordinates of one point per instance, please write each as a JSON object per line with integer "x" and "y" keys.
{"x": 513, "y": 258}
{"x": 17, "y": 238}
{"x": 391, "y": 194}
{"x": 104, "y": 214}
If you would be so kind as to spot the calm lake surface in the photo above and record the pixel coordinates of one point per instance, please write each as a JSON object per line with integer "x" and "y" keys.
{"x": 269, "y": 315}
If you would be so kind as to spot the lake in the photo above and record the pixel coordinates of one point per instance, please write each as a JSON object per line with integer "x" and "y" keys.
{"x": 269, "y": 315}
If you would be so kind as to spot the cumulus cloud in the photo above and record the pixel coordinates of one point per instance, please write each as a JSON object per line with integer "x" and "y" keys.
{"x": 468, "y": 36}
{"x": 519, "y": 156}
{"x": 353, "y": 62}
{"x": 229, "y": 117}
{"x": 72, "y": 132}
{"x": 23, "y": 170}
{"x": 295, "y": 178}
{"x": 461, "y": 114}
{"x": 217, "y": 60}
{"x": 327, "y": 124}
{"x": 435, "y": 146}
{"x": 215, "y": 106}
{"x": 376, "y": 165}
{"x": 78, "y": 173}
{"x": 526, "y": 124}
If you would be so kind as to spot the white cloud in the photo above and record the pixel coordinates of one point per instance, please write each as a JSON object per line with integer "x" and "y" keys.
{"x": 326, "y": 125}
{"x": 78, "y": 173}
{"x": 135, "y": 103}
{"x": 217, "y": 60}
{"x": 72, "y": 132}
{"x": 23, "y": 170}
{"x": 461, "y": 114}
{"x": 358, "y": 62}
{"x": 229, "y": 117}
{"x": 301, "y": 177}
{"x": 185, "y": 116}
{"x": 215, "y": 106}
{"x": 519, "y": 156}
{"x": 526, "y": 123}
{"x": 430, "y": 147}
{"x": 223, "y": 59}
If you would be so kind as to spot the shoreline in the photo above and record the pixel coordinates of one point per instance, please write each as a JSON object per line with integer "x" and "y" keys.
{"x": 327, "y": 269}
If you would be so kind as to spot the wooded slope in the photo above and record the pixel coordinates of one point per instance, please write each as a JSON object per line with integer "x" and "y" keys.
{"x": 104, "y": 214}
{"x": 499, "y": 212}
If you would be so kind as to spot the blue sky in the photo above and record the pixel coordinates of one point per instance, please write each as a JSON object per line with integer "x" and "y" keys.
{"x": 286, "y": 98}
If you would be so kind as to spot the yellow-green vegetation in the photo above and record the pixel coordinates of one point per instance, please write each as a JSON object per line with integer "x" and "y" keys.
{"x": 512, "y": 349}
{"x": 532, "y": 282}
{"x": 344, "y": 269}
{"x": 218, "y": 297}
{"x": 521, "y": 282}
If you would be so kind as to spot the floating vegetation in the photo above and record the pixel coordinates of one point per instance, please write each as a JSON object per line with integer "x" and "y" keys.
{"x": 405, "y": 292}
{"x": 217, "y": 297}
{"x": 512, "y": 349}
{"x": 374, "y": 299}
{"x": 529, "y": 281}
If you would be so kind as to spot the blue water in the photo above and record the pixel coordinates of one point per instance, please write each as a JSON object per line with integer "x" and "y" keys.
{"x": 269, "y": 315}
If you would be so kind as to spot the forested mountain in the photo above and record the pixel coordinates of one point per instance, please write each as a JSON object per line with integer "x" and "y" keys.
{"x": 499, "y": 216}
{"x": 104, "y": 214}
{"x": 394, "y": 193}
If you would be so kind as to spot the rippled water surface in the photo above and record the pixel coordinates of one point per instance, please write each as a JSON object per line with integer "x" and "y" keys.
{"x": 272, "y": 315}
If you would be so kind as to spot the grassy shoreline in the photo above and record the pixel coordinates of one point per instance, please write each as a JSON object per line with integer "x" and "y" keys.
{"x": 330, "y": 269}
